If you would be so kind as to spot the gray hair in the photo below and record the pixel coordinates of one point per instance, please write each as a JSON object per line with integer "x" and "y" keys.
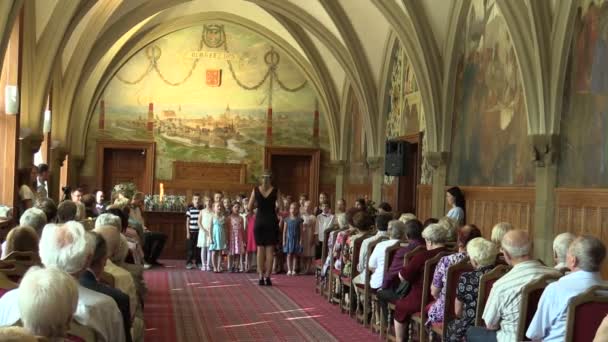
{"x": 589, "y": 252}
{"x": 435, "y": 233}
{"x": 112, "y": 238}
{"x": 108, "y": 219}
{"x": 451, "y": 227}
{"x": 482, "y": 251}
{"x": 561, "y": 244}
{"x": 35, "y": 218}
{"x": 406, "y": 217}
{"x": 397, "y": 229}
{"x": 121, "y": 251}
{"x": 47, "y": 300}
{"x": 66, "y": 246}
{"x": 342, "y": 222}
{"x": 499, "y": 230}
{"x": 518, "y": 244}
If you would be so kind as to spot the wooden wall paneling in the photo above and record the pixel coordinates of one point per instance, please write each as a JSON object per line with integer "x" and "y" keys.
{"x": 150, "y": 150}
{"x": 354, "y": 191}
{"x": 389, "y": 194}
{"x": 424, "y": 202}
{"x": 174, "y": 225}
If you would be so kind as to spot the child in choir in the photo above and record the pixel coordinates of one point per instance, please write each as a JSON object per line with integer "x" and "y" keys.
{"x": 218, "y": 236}
{"x": 217, "y": 197}
{"x": 204, "y": 233}
{"x": 250, "y": 243}
{"x": 308, "y": 241}
{"x": 303, "y": 198}
{"x": 292, "y": 237}
{"x": 323, "y": 198}
{"x": 227, "y": 205}
{"x": 340, "y": 209}
{"x": 325, "y": 220}
{"x": 236, "y": 238}
{"x": 283, "y": 212}
{"x": 193, "y": 258}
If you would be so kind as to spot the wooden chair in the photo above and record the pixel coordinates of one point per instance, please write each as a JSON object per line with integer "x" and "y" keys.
{"x": 585, "y": 313}
{"x": 26, "y": 258}
{"x": 380, "y": 328}
{"x": 346, "y": 282}
{"x": 530, "y": 296}
{"x": 13, "y": 270}
{"x": 81, "y": 331}
{"x": 319, "y": 288}
{"x": 420, "y": 318}
{"x": 486, "y": 282}
{"x": 451, "y": 285}
{"x": 390, "y": 333}
{"x": 362, "y": 313}
{"x": 333, "y": 278}
{"x": 6, "y": 284}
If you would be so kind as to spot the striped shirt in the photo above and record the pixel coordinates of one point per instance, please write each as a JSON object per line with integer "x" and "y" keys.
{"x": 192, "y": 213}
{"x": 505, "y": 297}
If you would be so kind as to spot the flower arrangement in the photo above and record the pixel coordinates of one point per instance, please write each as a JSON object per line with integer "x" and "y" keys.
{"x": 126, "y": 189}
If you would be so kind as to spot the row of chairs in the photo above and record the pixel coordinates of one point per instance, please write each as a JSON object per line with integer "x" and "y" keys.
{"x": 584, "y": 316}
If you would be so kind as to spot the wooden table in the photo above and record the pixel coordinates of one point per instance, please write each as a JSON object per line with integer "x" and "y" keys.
{"x": 174, "y": 225}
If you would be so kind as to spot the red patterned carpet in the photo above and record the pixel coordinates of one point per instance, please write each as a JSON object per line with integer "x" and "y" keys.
{"x": 202, "y": 306}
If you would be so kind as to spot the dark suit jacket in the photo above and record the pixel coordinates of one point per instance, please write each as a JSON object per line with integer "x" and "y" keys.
{"x": 88, "y": 280}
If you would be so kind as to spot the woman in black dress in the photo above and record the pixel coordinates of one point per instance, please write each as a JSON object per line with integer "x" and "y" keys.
{"x": 266, "y": 228}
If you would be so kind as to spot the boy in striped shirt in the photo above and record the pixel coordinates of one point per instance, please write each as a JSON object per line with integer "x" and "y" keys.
{"x": 193, "y": 258}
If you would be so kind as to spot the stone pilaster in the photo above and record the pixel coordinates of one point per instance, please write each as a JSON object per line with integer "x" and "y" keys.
{"x": 28, "y": 146}
{"x": 340, "y": 166}
{"x": 74, "y": 167}
{"x": 545, "y": 156}
{"x": 56, "y": 159}
{"x": 439, "y": 163}
{"x": 376, "y": 168}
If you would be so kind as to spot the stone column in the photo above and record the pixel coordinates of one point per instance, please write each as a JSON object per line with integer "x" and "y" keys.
{"x": 56, "y": 159}
{"x": 439, "y": 163}
{"x": 546, "y": 155}
{"x": 340, "y": 166}
{"x": 376, "y": 167}
{"x": 74, "y": 168}
{"x": 28, "y": 146}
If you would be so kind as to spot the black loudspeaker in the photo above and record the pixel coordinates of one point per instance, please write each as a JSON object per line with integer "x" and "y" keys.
{"x": 396, "y": 153}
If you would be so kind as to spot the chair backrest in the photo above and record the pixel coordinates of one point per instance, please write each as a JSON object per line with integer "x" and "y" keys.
{"x": 409, "y": 255}
{"x": 486, "y": 282}
{"x": 13, "y": 270}
{"x": 429, "y": 270}
{"x": 325, "y": 244}
{"x": 28, "y": 258}
{"x": 585, "y": 313}
{"x": 354, "y": 258}
{"x": 530, "y": 296}
{"x": 451, "y": 285}
{"x": 390, "y": 253}
{"x": 81, "y": 331}
{"x": 371, "y": 248}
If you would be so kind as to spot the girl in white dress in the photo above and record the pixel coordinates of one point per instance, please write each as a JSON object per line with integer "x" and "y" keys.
{"x": 308, "y": 240}
{"x": 204, "y": 235}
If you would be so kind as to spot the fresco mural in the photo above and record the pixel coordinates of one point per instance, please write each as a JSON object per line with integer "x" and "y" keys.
{"x": 490, "y": 145}
{"x": 203, "y": 93}
{"x": 584, "y": 145}
{"x": 358, "y": 171}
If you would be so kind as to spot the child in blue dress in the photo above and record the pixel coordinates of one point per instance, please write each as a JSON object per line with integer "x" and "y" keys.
{"x": 218, "y": 236}
{"x": 292, "y": 237}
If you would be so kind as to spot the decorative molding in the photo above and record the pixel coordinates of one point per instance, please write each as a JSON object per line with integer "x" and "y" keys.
{"x": 545, "y": 149}
{"x": 437, "y": 159}
{"x": 374, "y": 163}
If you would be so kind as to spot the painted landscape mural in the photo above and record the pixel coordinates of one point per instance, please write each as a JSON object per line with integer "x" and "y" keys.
{"x": 490, "y": 144}
{"x": 584, "y": 143}
{"x": 203, "y": 94}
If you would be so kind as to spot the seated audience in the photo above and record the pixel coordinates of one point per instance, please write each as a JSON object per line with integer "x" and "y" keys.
{"x": 501, "y": 313}
{"x": 66, "y": 211}
{"x": 498, "y": 232}
{"x": 16, "y": 334}
{"x": 362, "y": 222}
{"x": 153, "y": 242}
{"x": 388, "y": 290}
{"x": 20, "y": 239}
{"x": 560, "y": 249}
{"x": 49, "y": 207}
{"x": 452, "y": 226}
{"x": 88, "y": 201}
{"x": 340, "y": 244}
{"x": 68, "y": 248}
{"x": 435, "y": 237}
{"x": 35, "y": 218}
{"x": 382, "y": 221}
{"x": 376, "y": 263}
{"x": 584, "y": 258}
{"x": 438, "y": 289}
{"x": 100, "y": 205}
{"x": 89, "y": 279}
{"x": 407, "y": 217}
{"x": 47, "y": 301}
{"x": 482, "y": 254}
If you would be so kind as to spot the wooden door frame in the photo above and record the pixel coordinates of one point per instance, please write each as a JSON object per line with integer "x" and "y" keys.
{"x": 148, "y": 146}
{"x": 315, "y": 163}
{"x": 414, "y": 138}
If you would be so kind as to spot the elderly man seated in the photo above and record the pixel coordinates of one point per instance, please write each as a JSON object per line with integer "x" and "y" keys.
{"x": 501, "y": 313}
{"x": 584, "y": 258}
{"x": 560, "y": 249}
{"x": 20, "y": 239}
{"x": 32, "y": 217}
{"x": 51, "y": 297}
{"x": 68, "y": 247}
{"x": 66, "y": 211}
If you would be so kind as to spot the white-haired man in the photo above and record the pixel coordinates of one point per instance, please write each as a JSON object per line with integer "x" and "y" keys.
{"x": 584, "y": 258}
{"x": 501, "y": 313}
{"x": 560, "y": 249}
{"x": 108, "y": 219}
{"x": 69, "y": 248}
{"x": 34, "y": 218}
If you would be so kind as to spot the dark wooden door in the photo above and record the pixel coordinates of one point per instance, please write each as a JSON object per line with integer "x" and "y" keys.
{"x": 291, "y": 174}
{"x": 407, "y": 184}
{"x": 123, "y": 165}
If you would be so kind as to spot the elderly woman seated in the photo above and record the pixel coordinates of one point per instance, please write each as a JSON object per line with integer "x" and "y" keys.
{"x": 49, "y": 300}
{"x": 466, "y": 234}
{"x": 20, "y": 239}
{"x": 341, "y": 238}
{"x": 49, "y": 207}
{"x": 66, "y": 211}
{"x": 363, "y": 223}
{"x": 498, "y": 232}
{"x": 435, "y": 237}
{"x": 34, "y": 218}
{"x": 482, "y": 254}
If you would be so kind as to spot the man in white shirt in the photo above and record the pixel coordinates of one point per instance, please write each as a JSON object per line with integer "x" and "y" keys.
{"x": 42, "y": 179}
{"x": 69, "y": 248}
{"x": 382, "y": 221}
{"x": 325, "y": 220}
{"x": 501, "y": 313}
{"x": 584, "y": 258}
{"x": 560, "y": 249}
{"x": 377, "y": 260}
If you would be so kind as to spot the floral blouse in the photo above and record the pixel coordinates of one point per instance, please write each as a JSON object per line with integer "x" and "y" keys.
{"x": 339, "y": 245}
{"x": 439, "y": 281}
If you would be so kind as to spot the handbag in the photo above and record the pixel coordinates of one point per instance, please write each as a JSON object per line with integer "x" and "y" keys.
{"x": 402, "y": 289}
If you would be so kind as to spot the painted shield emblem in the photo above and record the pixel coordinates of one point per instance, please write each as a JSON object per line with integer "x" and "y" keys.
{"x": 213, "y": 35}
{"x": 214, "y": 77}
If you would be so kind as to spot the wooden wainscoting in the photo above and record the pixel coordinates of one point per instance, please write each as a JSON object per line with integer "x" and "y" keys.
{"x": 389, "y": 194}
{"x": 582, "y": 211}
{"x": 354, "y": 191}
{"x": 174, "y": 225}
{"x": 487, "y": 206}
{"x": 424, "y": 202}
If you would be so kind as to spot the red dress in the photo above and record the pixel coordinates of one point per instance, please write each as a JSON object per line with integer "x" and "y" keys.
{"x": 251, "y": 246}
{"x": 414, "y": 274}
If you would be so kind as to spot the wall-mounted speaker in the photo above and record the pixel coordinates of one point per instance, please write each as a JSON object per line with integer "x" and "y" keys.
{"x": 394, "y": 161}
